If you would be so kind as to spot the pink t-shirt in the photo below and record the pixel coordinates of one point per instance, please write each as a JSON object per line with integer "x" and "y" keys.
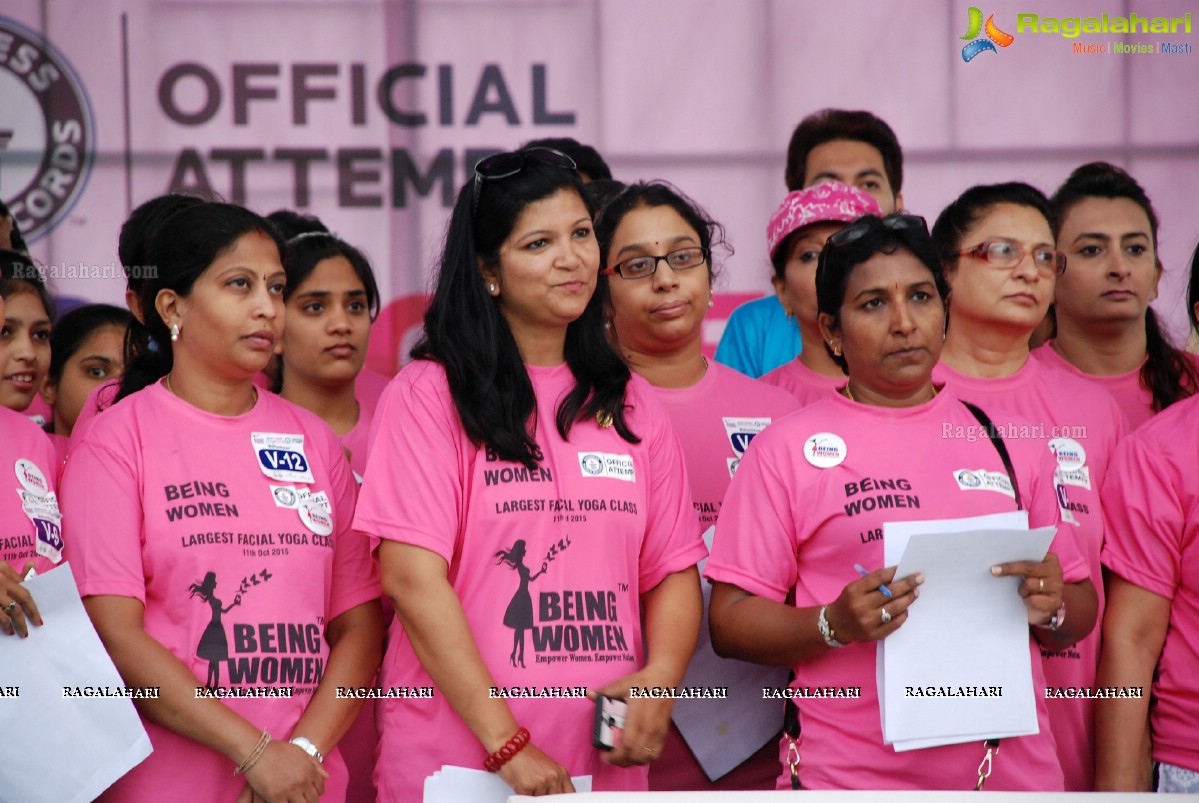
{"x": 234, "y": 532}
{"x": 802, "y": 382}
{"x": 716, "y": 419}
{"x": 30, "y": 521}
{"x": 61, "y": 444}
{"x": 1133, "y": 397}
{"x": 549, "y": 563}
{"x": 357, "y": 440}
{"x": 99, "y": 400}
{"x": 791, "y": 526}
{"x": 1152, "y": 510}
{"x": 1080, "y": 423}
{"x": 369, "y": 386}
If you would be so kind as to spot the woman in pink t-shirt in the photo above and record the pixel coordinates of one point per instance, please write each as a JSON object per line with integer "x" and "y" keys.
{"x": 30, "y": 532}
{"x": 529, "y": 501}
{"x": 657, "y": 314}
{"x": 997, "y": 244}
{"x": 809, "y": 502}
{"x": 211, "y": 534}
{"x": 798, "y": 230}
{"x": 332, "y": 299}
{"x": 1151, "y": 627}
{"x": 1106, "y": 329}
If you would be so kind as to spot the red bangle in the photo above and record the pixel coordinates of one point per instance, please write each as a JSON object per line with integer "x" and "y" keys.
{"x": 506, "y": 753}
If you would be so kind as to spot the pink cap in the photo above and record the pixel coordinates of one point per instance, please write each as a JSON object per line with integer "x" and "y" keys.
{"x": 830, "y": 202}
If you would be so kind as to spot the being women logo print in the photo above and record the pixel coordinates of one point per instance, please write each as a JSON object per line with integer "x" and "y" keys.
{"x": 994, "y": 35}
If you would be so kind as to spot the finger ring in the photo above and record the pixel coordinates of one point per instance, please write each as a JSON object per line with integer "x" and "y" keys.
{"x": 886, "y": 616}
{"x": 11, "y": 608}
{"x": 1042, "y": 588}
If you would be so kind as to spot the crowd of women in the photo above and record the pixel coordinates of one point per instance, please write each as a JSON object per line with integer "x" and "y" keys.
{"x": 452, "y": 566}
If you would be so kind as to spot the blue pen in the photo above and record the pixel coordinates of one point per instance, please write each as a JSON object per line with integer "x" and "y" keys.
{"x": 886, "y": 592}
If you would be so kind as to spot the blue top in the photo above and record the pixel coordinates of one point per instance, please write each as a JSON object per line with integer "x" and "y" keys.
{"x": 759, "y": 337}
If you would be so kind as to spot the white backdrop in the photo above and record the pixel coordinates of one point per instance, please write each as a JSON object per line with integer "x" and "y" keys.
{"x": 384, "y": 103}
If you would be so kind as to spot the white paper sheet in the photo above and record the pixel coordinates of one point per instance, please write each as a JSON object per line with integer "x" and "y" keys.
{"x": 459, "y": 784}
{"x": 723, "y": 733}
{"x": 64, "y": 749}
{"x": 965, "y": 638}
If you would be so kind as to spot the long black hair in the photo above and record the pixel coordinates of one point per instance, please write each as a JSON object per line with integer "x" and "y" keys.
{"x": 183, "y": 247}
{"x": 1168, "y": 374}
{"x": 467, "y": 334}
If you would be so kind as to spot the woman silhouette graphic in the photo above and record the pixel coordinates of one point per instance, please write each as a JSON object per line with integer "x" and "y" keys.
{"x": 519, "y": 614}
{"x": 214, "y": 645}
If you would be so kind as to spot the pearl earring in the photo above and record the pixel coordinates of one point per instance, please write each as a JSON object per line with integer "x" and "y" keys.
{"x": 175, "y": 333}
{"x": 711, "y": 302}
{"x": 607, "y": 326}
{"x": 491, "y": 287}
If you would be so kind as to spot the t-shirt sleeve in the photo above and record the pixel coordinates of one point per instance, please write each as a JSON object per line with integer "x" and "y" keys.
{"x": 103, "y": 520}
{"x": 412, "y": 491}
{"x": 1145, "y": 519}
{"x": 736, "y": 348}
{"x": 355, "y": 572}
{"x": 756, "y": 542}
{"x": 672, "y": 540}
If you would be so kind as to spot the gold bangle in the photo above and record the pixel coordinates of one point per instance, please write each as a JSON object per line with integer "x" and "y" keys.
{"x": 255, "y": 754}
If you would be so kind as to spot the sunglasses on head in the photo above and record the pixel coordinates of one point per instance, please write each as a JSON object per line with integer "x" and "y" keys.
{"x": 503, "y": 165}
{"x": 896, "y": 223}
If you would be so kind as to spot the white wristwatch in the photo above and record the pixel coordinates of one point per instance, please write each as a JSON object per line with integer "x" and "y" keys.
{"x": 308, "y": 747}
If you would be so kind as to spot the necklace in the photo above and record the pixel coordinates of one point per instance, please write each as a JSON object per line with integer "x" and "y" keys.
{"x": 253, "y": 397}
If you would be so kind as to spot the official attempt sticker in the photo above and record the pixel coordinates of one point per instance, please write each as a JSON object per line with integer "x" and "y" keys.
{"x": 281, "y": 456}
{"x": 613, "y": 466}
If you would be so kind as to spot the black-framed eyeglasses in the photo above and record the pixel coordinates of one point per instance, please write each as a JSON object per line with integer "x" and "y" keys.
{"x": 509, "y": 163}
{"x": 897, "y": 223}
{"x": 1007, "y": 254}
{"x": 645, "y": 266}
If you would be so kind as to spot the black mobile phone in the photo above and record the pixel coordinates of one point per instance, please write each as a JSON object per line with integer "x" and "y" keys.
{"x": 609, "y": 716}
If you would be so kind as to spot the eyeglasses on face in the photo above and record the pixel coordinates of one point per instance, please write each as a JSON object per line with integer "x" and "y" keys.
{"x": 645, "y": 266}
{"x": 1007, "y": 254}
{"x": 503, "y": 165}
{"x": 855, "y": 231}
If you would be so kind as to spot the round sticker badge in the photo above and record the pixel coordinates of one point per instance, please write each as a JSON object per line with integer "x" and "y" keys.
{"x": 825, "y": 450}
{"x": 1069, "y": 453}
{"x": 316, "y": 517}
{"x": 31, "y": 477}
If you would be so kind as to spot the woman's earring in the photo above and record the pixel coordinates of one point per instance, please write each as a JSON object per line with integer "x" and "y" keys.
{"x": 607, "y": 326}
{"x": 491, "y": 288}
{"x": 175, "y": 333}
{"x": 711, "y": 302}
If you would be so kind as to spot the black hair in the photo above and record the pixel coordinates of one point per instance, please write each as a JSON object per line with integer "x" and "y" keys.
{"x": 1193, "y": 291}
{"x": 973, "y": 204}
{"x": 828, "y": 125}
{"x": 293, "y": 224}
{"x": 304, "y": 252}
{"x": 599, "y": 193}
{"x": 658, "y": 193}
{"x": 588, "y": 159}
{"x": 467, "y": 334}
{"x": 138, "y": 232}
{"x": 18, "y": 274}
{"x": 15, "y": 237}
{"x": 185, "y": 245}
{"x": 1168, "y": 373}
{"x": 75, "y": 327}
{"x": 838, "y": 261}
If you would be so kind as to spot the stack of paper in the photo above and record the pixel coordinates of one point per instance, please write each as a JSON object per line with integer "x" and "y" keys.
{"x": 457, "y": 784}
{"x": 66, "y": 746}
{"x": 959, "y": 669}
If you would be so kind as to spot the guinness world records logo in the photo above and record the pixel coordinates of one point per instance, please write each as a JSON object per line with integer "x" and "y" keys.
{"x": 47, "y": 135}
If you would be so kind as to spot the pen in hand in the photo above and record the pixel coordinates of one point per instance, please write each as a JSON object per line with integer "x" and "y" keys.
{"x": 886, "y": 592}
